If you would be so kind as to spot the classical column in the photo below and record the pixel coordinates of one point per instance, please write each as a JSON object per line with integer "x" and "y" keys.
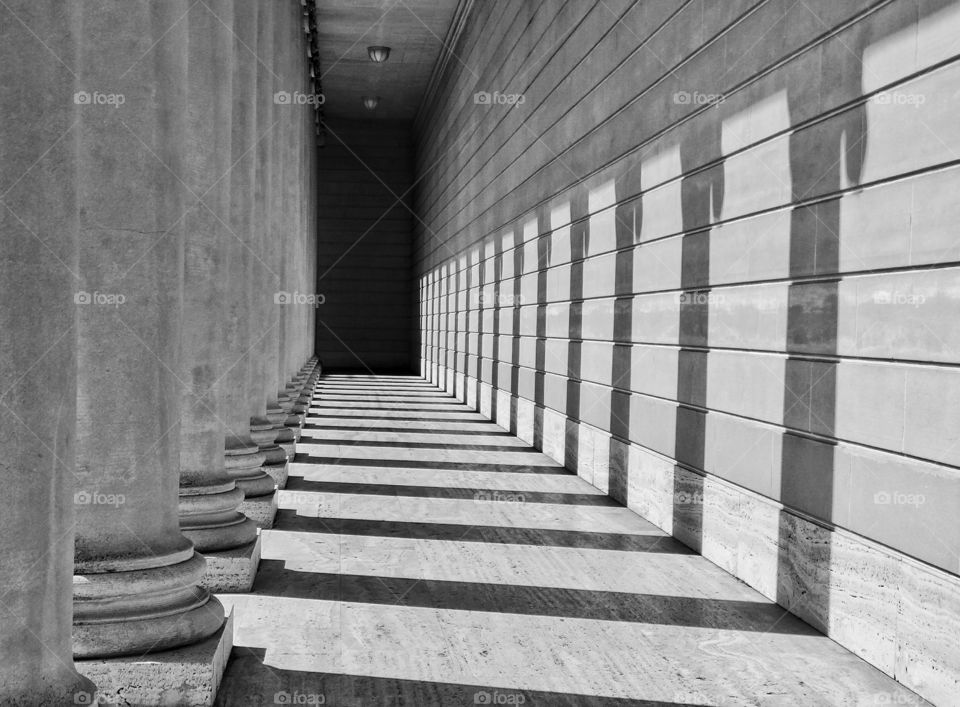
{"x": 242, "y": 328}
{"x": 305, "y": 377}
{"x": 38, "y": 260}
{"x": 136, "y": 584}
{"x": 209, "y": 496}
{"x": 300, "y": 145}
{"x": 282, "y": 234}
{"x": 268, "y": 417}
{"x": 247, "y": 428}
{"x": 288, "y": 38}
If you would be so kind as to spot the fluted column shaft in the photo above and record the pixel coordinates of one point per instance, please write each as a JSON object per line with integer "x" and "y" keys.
{"x": 289, "y": 57}
{"x": 298, "y": 147}
{"x": 310, "y": 186}
{"x": 282, "y": 233}
{"x": 267, "y": 415}
{"x": 136, "y": 586}
{"x": 38, "y": 260}
{"x": 279, "y": 234}
{"x": 244, "y": 332}
{"x": 209, "y": 496}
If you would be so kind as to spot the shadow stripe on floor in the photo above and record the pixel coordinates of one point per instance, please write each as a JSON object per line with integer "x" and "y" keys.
{"x": 656, "y": 541}
{"x": 440, "y": 407}
{"x": 400, "y": 444}
{"x": 248, "y": 677}
{"x": 315, "y": 414}
{"x": 429, "y": 464}
{"x": 481, "y": 495}
{"x": 724, "y": 614}
{"x": 407, "y": 430}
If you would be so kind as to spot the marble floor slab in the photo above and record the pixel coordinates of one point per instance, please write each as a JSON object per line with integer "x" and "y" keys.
{"x": 422, "y": 556}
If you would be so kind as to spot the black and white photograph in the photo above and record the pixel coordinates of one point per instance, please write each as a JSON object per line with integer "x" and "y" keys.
{"x": 441, "y": 353}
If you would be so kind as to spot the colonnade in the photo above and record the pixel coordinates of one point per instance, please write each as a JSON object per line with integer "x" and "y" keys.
{"x": 156, "y": 207}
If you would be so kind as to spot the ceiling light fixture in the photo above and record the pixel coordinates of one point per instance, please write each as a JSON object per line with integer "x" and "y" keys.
{"x": 370, "y": 102}
{"x": 378, "y": 54}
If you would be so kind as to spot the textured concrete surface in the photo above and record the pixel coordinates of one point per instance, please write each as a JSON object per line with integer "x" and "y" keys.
{"x": 278, "y": 472}
{"x": 188, "y": 676}
{"x": 261, "y": 510}
{"x": 232, "y": 570}
{"x": 422, "y": 555}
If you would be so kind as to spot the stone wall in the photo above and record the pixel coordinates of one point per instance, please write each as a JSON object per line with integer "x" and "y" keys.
{"x": 705, "y": 254}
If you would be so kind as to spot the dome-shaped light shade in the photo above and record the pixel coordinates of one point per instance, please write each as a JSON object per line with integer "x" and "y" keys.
{"x": 370, "y": 102}
{"x": 378, "y": 54}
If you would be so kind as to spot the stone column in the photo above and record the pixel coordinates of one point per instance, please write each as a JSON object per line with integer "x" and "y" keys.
{"x": 268, "y": 416}
{"x": 136, "y": 584}
{"x": 38, "y": 261}
{"x": 296, "y": 60}
{"x": 284, "y": 234}
{"x": 209, "y": 496}
{"x": 307, "y": 151}
{"x": 288, "y": 39}
{"x": 312, "y": 151}
{"x": 280, "y": 230}
{"x": 298, "y": 378}
{"x": 243, "y": 331}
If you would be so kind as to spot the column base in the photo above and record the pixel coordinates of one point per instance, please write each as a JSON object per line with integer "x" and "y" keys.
{"x": 289, "y": 448}
{"x": 279, "y": 471}
{"x": 183, "y": 676}
{"x": 261, "y": 509}
{"x": 297, "y": 431}
{"x": 287, "y": 441}
{"x": 232, "y": 570}
{"x": 295, "y": 422}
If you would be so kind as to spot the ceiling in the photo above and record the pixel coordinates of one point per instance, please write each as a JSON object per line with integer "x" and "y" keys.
{"x": 413, "y": 29}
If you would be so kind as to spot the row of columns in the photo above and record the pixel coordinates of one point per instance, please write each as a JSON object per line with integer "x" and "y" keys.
{"x": 156, "y": 209}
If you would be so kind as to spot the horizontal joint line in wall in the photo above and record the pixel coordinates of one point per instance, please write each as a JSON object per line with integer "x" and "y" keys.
{"x": 737, "y": 87}
{"x": 670, "y": 70}
{"x": 831, "y": 277}
{"x": 824, "y": 116}
{"x": 888, "y": 549}
{"x": 442, "y": 141}
{"x": 839, "y": 193}
{"x": 832, "y": 358}
{"x": 775, "y": 426}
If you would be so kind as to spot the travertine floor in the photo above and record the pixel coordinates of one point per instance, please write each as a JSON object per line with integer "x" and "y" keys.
{"x": 423, "y": 556}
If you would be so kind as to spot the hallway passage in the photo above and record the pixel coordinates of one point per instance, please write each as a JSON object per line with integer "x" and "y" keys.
{"x": 424, "y": 556}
